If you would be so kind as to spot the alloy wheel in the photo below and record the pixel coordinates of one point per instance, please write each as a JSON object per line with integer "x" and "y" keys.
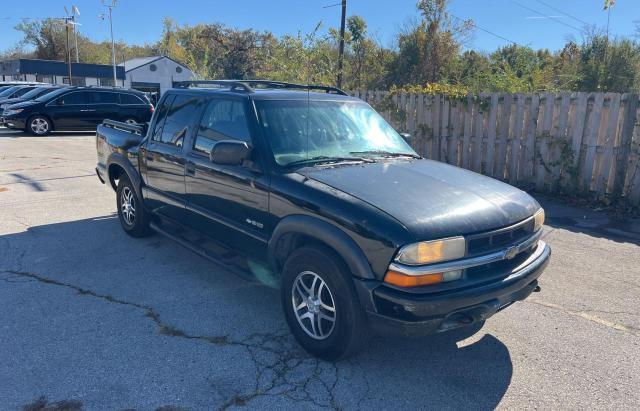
{"x": 313, "y": 305}
{"x": 39, "y": 125}
{"x": 127, "y": 206}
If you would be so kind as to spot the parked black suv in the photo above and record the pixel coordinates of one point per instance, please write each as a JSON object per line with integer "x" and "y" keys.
{"x": 360, "y": 230}
{"x": 78, "y": 108}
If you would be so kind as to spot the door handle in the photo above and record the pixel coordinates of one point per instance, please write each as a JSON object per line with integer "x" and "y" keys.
{"x": 86, "y": 110}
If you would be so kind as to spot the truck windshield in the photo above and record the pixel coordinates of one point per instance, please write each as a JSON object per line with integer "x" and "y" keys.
{"x": 325, "y": 130}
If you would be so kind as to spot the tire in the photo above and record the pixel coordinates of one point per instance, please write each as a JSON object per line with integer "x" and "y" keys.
{"x": 133, "y": 217}
{"x": 320, "y": 269}
{"x": 39, "y": 126}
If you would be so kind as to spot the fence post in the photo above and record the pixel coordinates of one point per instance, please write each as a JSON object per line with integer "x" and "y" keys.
{"x": 592, "y": 141}
{"x": 624, "y": 149}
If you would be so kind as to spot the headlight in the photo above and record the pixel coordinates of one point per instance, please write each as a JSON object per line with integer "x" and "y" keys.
{"x": 428, "y": 252}
{"x": 538, "y": 220}
{"x": 12, "y": 112}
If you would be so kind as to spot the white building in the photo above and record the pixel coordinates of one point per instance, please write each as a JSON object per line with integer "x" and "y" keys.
{"x": 154, "y": 74}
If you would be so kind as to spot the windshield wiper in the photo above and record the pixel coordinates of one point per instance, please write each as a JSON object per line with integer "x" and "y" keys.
{"x": 328, "y": 160}
{"x": 383, "y": 153}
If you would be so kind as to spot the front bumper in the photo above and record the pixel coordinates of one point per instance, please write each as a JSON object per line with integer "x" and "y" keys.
{"x": 393, "y": 311}
{"x": 13, "y": 122}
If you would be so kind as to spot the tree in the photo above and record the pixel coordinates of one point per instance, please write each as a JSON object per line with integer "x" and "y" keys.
{"x": 357, "y": 29}
{"x": 47, "y": 36}
{"x": 427, "y": 52}
{"x": 609, "y": 65}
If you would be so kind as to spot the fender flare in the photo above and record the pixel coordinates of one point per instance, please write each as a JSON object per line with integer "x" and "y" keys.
{"x": 325, "y": 233}
{"x": 132, "y": 173}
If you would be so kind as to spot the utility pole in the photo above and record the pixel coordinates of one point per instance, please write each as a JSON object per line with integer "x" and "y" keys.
{"x": 113, "y": 46}
{"x": 341, "y": 56}
{"x": 75, "y": 32}
{"x": 66, "y": 26}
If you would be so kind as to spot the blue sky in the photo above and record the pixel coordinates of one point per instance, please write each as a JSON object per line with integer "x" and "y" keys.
{"x": 139, "y": 21}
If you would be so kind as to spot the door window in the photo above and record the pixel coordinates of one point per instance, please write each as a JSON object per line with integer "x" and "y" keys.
{"x": 104, "y": 98}
{"x": 222, "y": 120}
{"x": 78, "y": 97}
{"x": 179, "y": 118}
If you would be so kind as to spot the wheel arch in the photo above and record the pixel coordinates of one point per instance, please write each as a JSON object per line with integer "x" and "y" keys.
{"x": 295, "y": 231}
{"x": 117, "y": 165}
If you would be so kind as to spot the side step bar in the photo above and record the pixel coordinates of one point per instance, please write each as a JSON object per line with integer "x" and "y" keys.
{"x": 203, "y": 253}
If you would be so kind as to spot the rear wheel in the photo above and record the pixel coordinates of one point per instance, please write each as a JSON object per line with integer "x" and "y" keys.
{"x": 321, "y": 305}
{"x": 131, "y": 212}
{"x": 39, "y": 126}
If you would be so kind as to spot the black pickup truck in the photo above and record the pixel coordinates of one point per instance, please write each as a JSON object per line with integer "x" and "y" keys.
{"x": 359, "y": 231}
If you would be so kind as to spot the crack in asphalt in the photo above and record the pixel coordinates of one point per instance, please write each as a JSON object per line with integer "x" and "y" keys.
{"x": 585, "y": 315}
{"x": 282, "y": 367}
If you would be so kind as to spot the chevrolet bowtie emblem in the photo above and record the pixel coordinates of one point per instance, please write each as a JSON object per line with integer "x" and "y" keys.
{"x": 511, "y": 252}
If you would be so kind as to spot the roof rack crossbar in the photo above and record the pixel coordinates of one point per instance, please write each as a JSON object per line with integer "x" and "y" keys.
{"x": 246, "y": 85}
{"x": 234, "y": 85}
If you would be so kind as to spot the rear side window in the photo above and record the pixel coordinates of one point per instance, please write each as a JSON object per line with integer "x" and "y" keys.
{"x": 104, "y": 98}
{"x": 77, "y": 97}
{"x": 161, "y": 117}
{"x": 179, "y": 118}
{"x": 130, "y": 99}
{"x": 222, "y": 120}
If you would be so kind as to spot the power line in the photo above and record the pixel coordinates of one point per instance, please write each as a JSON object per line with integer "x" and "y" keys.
{"x": 487, "y": 31}
{"x": 544, "y": 15}
{"x": 563, "y": 12}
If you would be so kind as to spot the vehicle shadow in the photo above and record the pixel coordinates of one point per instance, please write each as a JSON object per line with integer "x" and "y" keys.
{"x": 11, "y": 133}
{"x": 591, "y": 222}
{"x": 95, "y": 258}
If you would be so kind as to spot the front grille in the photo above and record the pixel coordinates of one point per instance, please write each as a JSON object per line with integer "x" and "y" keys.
{"x": 499, "y": 239}
{"x": 499, "y": 268}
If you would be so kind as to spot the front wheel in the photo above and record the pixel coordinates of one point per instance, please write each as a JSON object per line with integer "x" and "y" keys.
{"x": 131, "y": 212}
{"x": 39, "y": 126}
{"x": 321, "y": 305}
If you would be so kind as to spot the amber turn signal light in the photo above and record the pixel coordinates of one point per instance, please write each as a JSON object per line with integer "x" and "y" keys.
{"x": 402, "y": 280}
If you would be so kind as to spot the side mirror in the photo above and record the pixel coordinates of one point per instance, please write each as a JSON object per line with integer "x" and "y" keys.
{"x": 407, "y": 137}
{"x": 230, "y": 152}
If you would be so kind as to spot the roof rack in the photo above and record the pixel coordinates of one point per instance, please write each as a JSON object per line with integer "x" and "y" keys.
{"x": 249, "y": 86}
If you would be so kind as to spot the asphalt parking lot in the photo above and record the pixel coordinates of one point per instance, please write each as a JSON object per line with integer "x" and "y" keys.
{"x": 94, "y": 319}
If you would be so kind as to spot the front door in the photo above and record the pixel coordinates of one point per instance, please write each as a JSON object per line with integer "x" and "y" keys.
{"x": 72, "y": 111}
{"x": 227, "y": 202}
{"x": 164, "y": 157}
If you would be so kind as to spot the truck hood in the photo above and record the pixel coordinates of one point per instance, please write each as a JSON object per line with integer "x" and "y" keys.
{"x": 431, "y": 199}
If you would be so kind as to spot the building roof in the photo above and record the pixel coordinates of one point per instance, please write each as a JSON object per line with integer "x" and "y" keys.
{"x": 59, "y": 68}
{"x": 138, "y": 62}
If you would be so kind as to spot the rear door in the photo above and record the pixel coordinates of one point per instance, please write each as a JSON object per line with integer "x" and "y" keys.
{"x": 164, "y": 155}
{"x": 104, "y": 105}
{"x": 228, "y": 202}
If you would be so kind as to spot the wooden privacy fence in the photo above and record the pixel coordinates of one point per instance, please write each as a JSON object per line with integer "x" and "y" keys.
{"x": 584, "y": 144}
